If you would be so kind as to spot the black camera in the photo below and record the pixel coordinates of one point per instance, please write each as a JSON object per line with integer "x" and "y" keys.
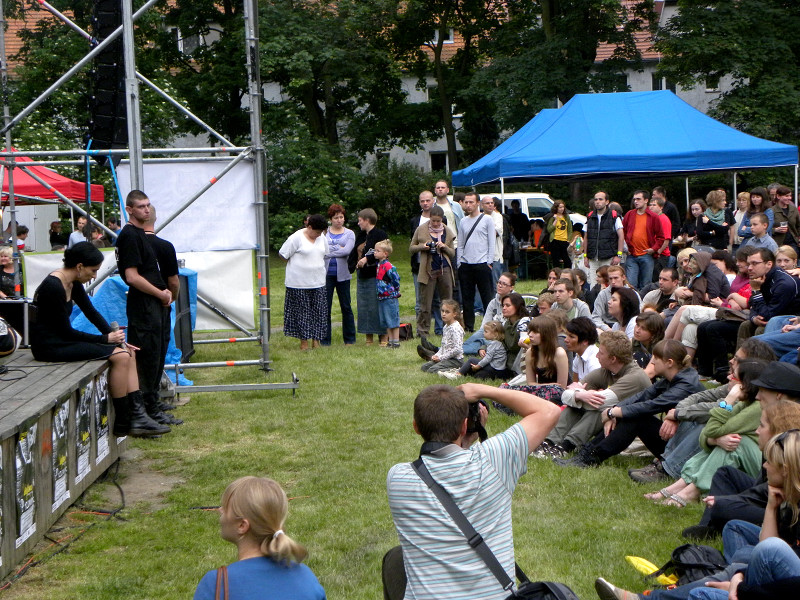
{"x": 431, "y": 247}
{"x": 474, "y": 424}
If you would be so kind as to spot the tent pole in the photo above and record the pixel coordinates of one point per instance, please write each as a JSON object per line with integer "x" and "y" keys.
{"x": 503, "y": 192}
{"x": 735, "y": 193}
{"x": 796, "y": 167}
{"x": 687, "y": 195}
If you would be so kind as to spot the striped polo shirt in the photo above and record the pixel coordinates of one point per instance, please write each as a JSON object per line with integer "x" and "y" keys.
{"x": 438, "y": 561}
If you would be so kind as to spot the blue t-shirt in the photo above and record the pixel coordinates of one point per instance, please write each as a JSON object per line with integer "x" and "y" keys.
{"x": 262, "y": 578}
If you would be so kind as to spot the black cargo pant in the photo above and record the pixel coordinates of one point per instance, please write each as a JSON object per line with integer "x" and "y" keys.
{"x": 148, "y": 328}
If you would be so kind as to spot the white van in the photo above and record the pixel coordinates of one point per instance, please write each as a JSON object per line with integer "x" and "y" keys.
{"x": 534, "y": 204}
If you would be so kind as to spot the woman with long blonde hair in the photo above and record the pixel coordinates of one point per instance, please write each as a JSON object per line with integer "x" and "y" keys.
{"x": 251, "y": 516}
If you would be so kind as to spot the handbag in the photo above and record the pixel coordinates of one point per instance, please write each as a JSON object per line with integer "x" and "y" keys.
{"x": 732, "y": 314}
{"x": 527, "y": 590}
{"x": 221, "y": 592}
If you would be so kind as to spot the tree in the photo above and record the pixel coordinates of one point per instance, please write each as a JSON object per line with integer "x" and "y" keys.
{"x": 547, "y": 53}
{"x": 751, "y": 44}
{"x": 423, "y": 27}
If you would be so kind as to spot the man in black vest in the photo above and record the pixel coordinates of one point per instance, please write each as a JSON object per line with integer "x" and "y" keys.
{"x": 604, "y": 238}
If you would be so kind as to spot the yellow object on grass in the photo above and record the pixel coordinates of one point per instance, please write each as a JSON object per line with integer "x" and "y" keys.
{"x": 645, "y": 567}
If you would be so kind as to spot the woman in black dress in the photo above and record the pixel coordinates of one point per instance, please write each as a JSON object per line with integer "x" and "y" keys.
{"x": 54, "y": 340}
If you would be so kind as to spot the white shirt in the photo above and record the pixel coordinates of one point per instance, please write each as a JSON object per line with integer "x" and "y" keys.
{"x": 586, "y": 362}
{"x": 306, "y": 267}
{"x": 498, "y": 241}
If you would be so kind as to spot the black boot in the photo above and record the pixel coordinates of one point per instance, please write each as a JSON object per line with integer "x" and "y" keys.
{"x": 586, "y": 457}
{"x": 427, "y": 345}
{"x": 122, "y": 420}
{"x": 424, "y": 353}
{"x": 153, "y": 408}
{"x": 141, "y": 425}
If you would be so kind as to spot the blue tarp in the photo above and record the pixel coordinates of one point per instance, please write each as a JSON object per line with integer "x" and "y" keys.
{"x": 625, "y": 134}
{"x": 110, "y": 302}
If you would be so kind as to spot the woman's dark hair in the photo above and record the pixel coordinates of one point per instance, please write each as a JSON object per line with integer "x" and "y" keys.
{"x": 436, "y": 211}
{"x": 584, "y": 329}
{"x": 83, "y": 253}
{"x": 629, "y": 302}
{"x": 654, "y": 324}
{"x": 701, "y": 203}
{"x": 518, "y": 302}
{"x": 766, "y": 200}
{"x": 317, "y": 223}
{"x": 335, "y": 209}
{"x": 746, "y": 371}
{"x": 725, "y": 256}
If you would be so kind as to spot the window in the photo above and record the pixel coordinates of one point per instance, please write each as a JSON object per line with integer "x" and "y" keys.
{"x": 662, "y": 83}
{"x": 712, "y": 83}
{"x": 448, "y": 37}
{"x": 438, "y": 161}
{"x": 187, "y": 44}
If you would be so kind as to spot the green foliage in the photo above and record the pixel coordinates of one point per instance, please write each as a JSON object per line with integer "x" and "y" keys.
{"x": 392, "y": 190}
{"x": 547, "y": 51}
{"x": 746, "y": 44}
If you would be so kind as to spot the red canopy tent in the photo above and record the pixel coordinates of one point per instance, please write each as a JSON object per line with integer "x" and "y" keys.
{"x": 25, "y": 185}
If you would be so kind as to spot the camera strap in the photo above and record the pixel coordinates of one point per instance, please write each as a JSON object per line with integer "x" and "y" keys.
{"x": 474, "y": 539}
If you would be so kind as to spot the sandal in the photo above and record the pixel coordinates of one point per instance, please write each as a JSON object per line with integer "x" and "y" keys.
{"x": 675, "y": 500}
{"x": 658, "y": 496}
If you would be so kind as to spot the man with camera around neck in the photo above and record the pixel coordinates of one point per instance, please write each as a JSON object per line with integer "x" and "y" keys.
{"x": 438, "y": 561}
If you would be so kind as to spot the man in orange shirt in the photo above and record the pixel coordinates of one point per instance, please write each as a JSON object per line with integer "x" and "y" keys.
{"x": 644, "y": 236}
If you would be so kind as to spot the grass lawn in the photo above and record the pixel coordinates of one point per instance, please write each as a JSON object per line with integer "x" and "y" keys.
{"x": 330, "y": 446}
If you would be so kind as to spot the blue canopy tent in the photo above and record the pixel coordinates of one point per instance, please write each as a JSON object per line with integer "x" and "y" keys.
{"x": 630, "y": 134}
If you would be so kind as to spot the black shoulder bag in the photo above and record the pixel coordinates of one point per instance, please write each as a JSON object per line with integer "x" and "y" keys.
{"x": 528, "y": 590}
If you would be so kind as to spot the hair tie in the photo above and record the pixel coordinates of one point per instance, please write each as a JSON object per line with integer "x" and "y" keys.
{"x": 277, "y": 533}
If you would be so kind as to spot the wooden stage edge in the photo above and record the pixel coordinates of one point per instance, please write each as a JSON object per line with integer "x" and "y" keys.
{"x": 55, "y": 441}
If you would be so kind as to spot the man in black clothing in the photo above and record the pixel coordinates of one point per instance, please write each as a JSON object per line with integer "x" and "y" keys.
{"x": 168, "y": 267}
{"x": 148, "y": 298}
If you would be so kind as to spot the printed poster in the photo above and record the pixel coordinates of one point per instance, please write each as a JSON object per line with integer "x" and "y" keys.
{"x": 83, "y": 423}
{"x": 60, "y": 452}
{"x": 25, "y": 500}
{"x": 101, "y": 416}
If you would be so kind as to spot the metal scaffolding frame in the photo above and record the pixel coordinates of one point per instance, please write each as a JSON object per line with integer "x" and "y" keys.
{"x": 135, "y": 152}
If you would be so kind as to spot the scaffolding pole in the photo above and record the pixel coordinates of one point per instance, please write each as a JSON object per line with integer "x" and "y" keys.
{"x": 135, "y": 152}
{"x": 259, "y": 175}
{"x": 12, "y": 204}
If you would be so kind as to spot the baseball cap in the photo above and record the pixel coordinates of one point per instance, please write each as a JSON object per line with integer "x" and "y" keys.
{"x": 780, "y": 377}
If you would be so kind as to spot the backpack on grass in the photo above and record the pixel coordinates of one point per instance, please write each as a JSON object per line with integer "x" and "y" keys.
{"x": 692, "y": 562}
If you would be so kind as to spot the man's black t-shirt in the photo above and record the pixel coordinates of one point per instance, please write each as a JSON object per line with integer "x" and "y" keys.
{"x": 165, "y": 255}
{"x": 134, "y": 250}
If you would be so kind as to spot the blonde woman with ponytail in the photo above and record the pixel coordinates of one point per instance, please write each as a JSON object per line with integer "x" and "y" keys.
{"x": 252, "y": 515}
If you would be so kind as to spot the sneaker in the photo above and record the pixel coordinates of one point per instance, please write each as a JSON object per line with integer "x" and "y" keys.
{"x": 557, "y": 451}
{"x": 700, "y": 533}
{"x": 450, "y": 374}
{"x": 543, "y": 451}
{"x": 606, "y": 591}
{"x": 649, "y": 474}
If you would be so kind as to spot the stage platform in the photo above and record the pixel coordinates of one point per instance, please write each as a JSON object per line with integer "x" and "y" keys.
{"x": 55, "y": 440}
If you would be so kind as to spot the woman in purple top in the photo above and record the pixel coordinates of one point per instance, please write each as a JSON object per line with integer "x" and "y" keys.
{"x": 337, "y": 276}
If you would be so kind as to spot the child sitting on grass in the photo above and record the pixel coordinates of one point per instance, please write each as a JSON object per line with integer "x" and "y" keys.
{"x": 451, "y": 352}
{"x": 492, "y": 365}
{"x": 388, "y": 281}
